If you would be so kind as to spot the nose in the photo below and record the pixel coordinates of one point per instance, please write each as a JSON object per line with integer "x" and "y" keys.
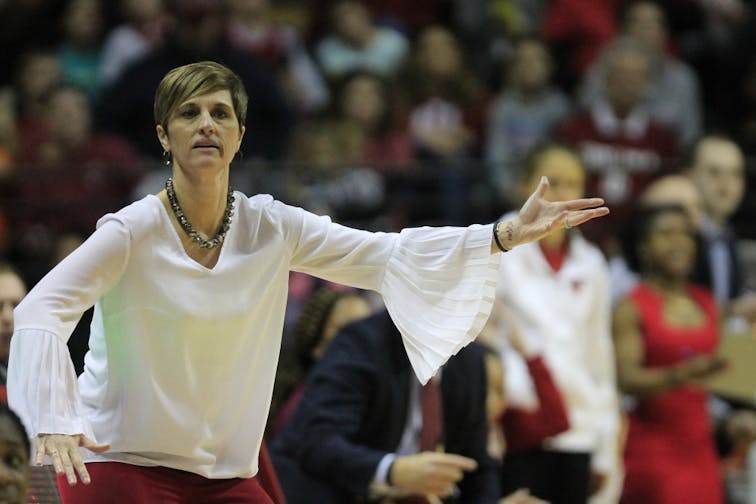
{"x": 207, "y": 125}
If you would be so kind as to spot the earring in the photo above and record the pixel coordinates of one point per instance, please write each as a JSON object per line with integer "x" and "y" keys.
{"x": 167, "y": 158}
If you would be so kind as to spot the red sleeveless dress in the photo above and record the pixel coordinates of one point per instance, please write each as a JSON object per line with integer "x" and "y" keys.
{"x": 670, "y": 455}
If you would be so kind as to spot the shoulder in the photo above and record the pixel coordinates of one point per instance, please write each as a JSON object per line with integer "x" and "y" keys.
{"x": 139, "y": 218}
{"x": 265, "y": 207}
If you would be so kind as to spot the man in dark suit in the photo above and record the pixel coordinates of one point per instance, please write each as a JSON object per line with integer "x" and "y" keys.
{"x": 356, "y": 435}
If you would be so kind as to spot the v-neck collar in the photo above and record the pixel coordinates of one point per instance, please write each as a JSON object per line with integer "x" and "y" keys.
{"x": 177, "y": 239}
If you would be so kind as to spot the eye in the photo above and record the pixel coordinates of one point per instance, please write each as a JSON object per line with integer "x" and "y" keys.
{"x": 188, "y": 113}
{"x": 220, "y": 114}
{"x": 14, "y": 460}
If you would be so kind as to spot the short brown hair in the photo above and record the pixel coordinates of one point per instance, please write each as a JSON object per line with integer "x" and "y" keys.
{"x": 188, "y": 81}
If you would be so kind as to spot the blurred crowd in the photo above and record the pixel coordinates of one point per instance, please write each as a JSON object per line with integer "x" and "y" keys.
{"x": 395, "y": 113}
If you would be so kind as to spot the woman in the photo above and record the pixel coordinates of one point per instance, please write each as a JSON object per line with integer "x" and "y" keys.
{"x": 557, "y": 292}
{"x": 14, "y": 460}
{"x": 190, "y": 289}
{"x": 666, "y": 333}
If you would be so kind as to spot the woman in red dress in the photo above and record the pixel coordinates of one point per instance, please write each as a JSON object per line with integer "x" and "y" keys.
{"x": 666, "y": 334}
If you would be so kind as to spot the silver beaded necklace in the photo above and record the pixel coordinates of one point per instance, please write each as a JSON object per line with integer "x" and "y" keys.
{"x": 189, "y": 229}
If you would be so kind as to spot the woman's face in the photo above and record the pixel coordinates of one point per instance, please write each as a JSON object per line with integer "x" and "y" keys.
{"x": 203, "y": 132}
{"x": 565, "y": 173}
{"x": 496, "y": 402}
{"x": 14, "y": 464}
{"x": 363, "y": 101}
{"x": 669, "y": 247}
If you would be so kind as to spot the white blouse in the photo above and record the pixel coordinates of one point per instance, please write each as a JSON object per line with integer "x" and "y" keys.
{"x": 182, "y": 358}
{"x": 566, "y": 316}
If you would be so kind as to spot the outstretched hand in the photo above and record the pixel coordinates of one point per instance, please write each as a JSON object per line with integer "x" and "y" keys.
{"x": 539, "y": 217}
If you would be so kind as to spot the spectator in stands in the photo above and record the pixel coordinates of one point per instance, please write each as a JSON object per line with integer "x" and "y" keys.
{"x": 515, "y": 429}
{"x": 355, "y": 42}
{"x": 8, "y": 134}
{"x": 673, "y": 98}
{"x": 558, "y": 292}
{"x": 199, "y": 34}
{"x": 622, "y": 146}
{"x": 12, "y": 291}
{"x": 365, "y": 101}
{"x": 80, "y": 53}
{"x": 327, "y": 175}
{"x": 15, "y": 449}
{"x": 523, "y": 114}
{"x": 666, "y": 334}
{"x": 144, "y": 26}
{"x": 322, "y": 316}
{"x": 278, "y": 45}
{"x": 26, "y": 25}
{"x": 37, "y": 75}
{"x": 676, "y": 189}
{"x": 717, "y": 166}
{"x": 367, "y": 429}
{"x": 70, "y": 178}
{"x": 447, "y": 99}
{"x": 576, "y": 30}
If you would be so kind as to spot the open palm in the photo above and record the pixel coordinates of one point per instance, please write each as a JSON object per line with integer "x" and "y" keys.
{"x": 539, "y": 217}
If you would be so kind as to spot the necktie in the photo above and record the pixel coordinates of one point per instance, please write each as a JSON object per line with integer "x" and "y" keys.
{"x": 432, "y": 426}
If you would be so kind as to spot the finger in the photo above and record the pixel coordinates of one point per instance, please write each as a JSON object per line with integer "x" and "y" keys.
{"x": 68, "y": 467}
{"x": 576, "y": 218}
{"x": 81, "y": 468}
{"x": 40, "y": 457}
{"x": 92, "y": 445}
{"x": 583, "y": 203}
{"x": 456, "y": 461}
{"x": 56, "y": 461}
{"x": 543, "y": 186}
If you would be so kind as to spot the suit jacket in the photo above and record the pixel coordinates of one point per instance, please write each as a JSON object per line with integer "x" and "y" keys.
{"x": 354, "y": 410}
{"x": 702, "y": 273}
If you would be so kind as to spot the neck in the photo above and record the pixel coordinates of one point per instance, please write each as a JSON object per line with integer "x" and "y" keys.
{"x": 666, "y": 284}
{"x": 202, "y": 199}
{"x": 555, "y": 240}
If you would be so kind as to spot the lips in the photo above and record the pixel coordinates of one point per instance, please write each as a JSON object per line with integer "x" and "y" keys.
{"x": 205, "y": 144}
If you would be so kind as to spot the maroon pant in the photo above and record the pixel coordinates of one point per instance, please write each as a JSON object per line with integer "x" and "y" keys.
{"x": 119, "y": 483}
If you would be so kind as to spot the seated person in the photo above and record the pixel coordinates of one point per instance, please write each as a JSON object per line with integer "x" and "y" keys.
{"x": 360, "y": 431}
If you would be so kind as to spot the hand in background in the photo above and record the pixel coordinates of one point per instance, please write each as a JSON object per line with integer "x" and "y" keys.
{"x": 429, "y": 473}
{"x": 521, "y": 497}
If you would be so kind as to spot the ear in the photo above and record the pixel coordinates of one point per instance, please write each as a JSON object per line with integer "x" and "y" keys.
{"x": 241, "y": 136}
{"x": 163, "y": 138}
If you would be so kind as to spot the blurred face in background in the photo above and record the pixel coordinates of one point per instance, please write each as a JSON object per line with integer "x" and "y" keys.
{"x": 362, "y": 101}
{"x": 676, "y": 190}
{"x": 627, "y": 80}
{"x": 719, "y": 173}
{"x": 669, "y": 248}
{"x": 352, "y": 22}
{"x": 437, "y": 51}
{"x": 346, "y": 310}
{"x": 38, "y": 74}
{"x": 565, "y": 173}
{"x": 531, "y": 66}
{"x": 82, "y": 23}
{"x": 496, "y": 402}
{"x": 12, "y": 291}
{"x": 70, "y": 117}
{"x": 645, "y": 21}
{"x": 142, "y": 10}
{"x": 14, "y": 463}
